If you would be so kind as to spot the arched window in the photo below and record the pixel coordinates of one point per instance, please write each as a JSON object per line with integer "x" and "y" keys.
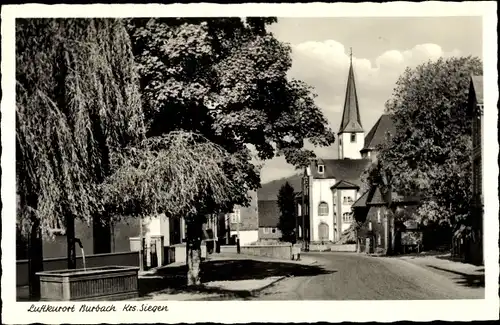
{"x": 323, "y": 231}
{"x": 323, "y": 209}
{"x": 347, "y": 217}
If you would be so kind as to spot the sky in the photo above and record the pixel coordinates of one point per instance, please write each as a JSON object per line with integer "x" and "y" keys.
{"x": 382, "y": 48}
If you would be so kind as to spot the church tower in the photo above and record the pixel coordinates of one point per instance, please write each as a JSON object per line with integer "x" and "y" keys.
{"x": 351, "y": 134}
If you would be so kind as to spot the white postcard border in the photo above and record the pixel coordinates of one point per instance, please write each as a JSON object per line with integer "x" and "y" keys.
{"x": 251, "y": 311}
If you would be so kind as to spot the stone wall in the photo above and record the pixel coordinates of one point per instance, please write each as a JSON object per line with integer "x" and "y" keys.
{"x": 281, "y": 251}
{"x": 97, "y": 260}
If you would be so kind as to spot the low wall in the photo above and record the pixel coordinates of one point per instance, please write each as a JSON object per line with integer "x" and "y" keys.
{"x": 332, "y": 247}
{"x": 179, "y": 252}
{"x": 343, "y": 248}
{"x": 228, "y": 249}
{"x": 282, "y": 251}
{"x": 60, "y": 263}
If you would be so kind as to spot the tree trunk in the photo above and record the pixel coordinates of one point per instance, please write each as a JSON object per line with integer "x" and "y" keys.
{"x": 193, "y": 250}
{"x": 70, "y": 241}
{"x": 35, "y": 259}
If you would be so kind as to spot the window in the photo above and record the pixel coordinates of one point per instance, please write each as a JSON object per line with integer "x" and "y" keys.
{"x": 353, "y": 137}
{"x": 56, "y": 227}
{"x": 379, "y": 240}
{"x": 370, "y": 225}
{"x": 347, "y": 217}
{"x": 273, "y": 230}
{"x": 323, "y": 209}
{"x": 348, "y": 200}
{"x": 299, "y": 210}
{"x": 265, "y": 230}
{"x": 235, "y": 216}
{"x": 379, "y": 217}
{"x": 321, "y": 169}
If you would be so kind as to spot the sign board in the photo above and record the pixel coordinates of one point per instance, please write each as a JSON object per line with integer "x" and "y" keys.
{"x": 411, "y": 224}
{"x": 409, "y": 238}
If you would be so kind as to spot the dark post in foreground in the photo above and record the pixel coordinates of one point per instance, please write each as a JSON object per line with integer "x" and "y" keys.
{"x": 70, "y": 241}
{"x": 193, "y": 247}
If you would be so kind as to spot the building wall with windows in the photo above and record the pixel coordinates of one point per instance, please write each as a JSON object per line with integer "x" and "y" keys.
{"x": 269, "y": 233}
{"x": 350, "y": 145}
{"x": 322, "y": 211}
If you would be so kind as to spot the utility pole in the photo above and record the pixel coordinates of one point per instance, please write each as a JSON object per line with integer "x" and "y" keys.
{"x": 305, "y": 190}
{"x": 237, "y": 213}
{"x": 141, "y": 246}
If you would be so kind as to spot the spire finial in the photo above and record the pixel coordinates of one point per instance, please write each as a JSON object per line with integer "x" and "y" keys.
{"x": 350, "y": 54}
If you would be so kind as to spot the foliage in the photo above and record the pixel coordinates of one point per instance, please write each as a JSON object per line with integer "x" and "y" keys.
{"x": 287, "y": 218}
{"x": 349, "y": 235}
{"x": 77, "y": 105}
{"x": 430, "y": 152}
{"x": 226, "y": 78}
{"x": 179, "y": 174}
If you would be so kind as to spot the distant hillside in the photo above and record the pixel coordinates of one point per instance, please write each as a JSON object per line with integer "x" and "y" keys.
{"x": 269, "y": 191}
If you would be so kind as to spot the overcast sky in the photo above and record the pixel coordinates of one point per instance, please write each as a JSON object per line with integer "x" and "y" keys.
{"x": 382, "y": 48}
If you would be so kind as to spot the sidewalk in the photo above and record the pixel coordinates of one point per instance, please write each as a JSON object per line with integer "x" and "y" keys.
{"x": 227, "y": 276}
{"x": 443, "y": 262}
{"x": 304, "y": 260}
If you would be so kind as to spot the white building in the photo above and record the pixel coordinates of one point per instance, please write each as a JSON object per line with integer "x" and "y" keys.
{"x": 333, "y": 185}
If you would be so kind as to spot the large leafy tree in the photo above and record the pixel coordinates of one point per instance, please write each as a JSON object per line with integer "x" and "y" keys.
{"x": 77, "y": 106}
{"x": 226, "y": 79}
{"x": 178, "y": 174}
{"x": 288, "y": 216}
{"x": 430, "y": 152}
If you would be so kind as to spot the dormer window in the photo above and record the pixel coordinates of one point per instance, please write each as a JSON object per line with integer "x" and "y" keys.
{"x": 353, "y": 137}
{"x": 321, "y": 169}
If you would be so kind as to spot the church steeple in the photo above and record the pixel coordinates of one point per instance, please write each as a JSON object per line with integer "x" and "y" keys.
{"x": 351, "y": 133}
{"x": 351, "y": 121}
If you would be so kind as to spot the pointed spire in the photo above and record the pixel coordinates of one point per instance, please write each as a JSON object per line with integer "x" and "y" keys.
{"x": 351, "y": 121}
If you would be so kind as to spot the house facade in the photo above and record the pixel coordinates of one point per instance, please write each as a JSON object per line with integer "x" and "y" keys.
{"x": 242, "y": 222}
{"x": 331, "y": 186}
{"x": 380, "y": 230}
{"x": 475, "y": 107}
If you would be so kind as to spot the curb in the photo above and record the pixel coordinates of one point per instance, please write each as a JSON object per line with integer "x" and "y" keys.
{"x": 255, "y": 291}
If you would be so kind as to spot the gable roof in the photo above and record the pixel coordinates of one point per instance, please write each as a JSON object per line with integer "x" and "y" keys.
{"x": 351, "y": 121}
{"x": 361, "y": 202}
{"x": 375, "y": 196}
{"x": 344, "y": 184}
{"x": 377, "y": 134}
{"x": 477, "y": 86}
{"x": 341, "y": 169}
{"x": 269, "y": 213}
{"x": 269, "y": 191}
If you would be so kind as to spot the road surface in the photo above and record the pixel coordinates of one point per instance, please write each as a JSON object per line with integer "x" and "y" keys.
{"x": 350, "y": 276}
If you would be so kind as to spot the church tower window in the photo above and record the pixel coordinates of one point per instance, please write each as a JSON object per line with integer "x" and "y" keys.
{"x": 353, "y": 137}
{"x": 321, "y": 169}
{"x": 323, "y": 209}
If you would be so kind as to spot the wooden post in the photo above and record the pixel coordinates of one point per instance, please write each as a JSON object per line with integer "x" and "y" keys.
{"x": 70, "y": 241}
{"x": 141, "y": 246}
{"x": 238, "y": 249}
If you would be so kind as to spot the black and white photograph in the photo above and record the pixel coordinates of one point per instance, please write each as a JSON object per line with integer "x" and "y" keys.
{"x": 157, "y": 155}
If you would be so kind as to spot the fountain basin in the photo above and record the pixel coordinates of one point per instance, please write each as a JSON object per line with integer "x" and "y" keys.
{"x": 96, "y": 283}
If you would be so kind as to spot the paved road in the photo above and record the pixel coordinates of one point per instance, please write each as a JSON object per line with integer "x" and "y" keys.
{"x": 359, "y": 277}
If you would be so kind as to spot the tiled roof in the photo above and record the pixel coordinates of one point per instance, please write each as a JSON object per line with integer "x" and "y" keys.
{"x": 269, "y": 213}
{"x": 477, "y": 84}
{"x": 361, "y": 201}
{"x": 269, "y": 191}
{"x": 377, "y": 134}
{"x": 341, "y": 169}
{"x": 344, "y": 184}
{"x": 351, "y": 121}
{"x": 375, "y": 197}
